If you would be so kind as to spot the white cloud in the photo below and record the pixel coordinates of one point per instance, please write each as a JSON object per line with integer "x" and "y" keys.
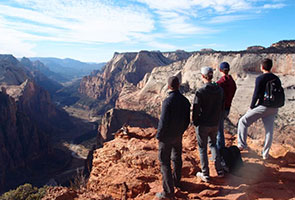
{"x": 178, "y": 24}
{"x": 217, "y": 5}
{"x": 12, "y": 42}
{"x": 228, "y": 18}
{"x": 274, "y": 6}
{"x": 78, "y": 21}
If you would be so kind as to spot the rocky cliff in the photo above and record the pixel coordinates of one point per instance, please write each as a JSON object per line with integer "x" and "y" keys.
{"x": 21, "y": 140}
{"x": 116, "y": 119}
{"x": 124, "y": 69}
{"x": 146, "y": 73}
{"x": 148, "y": 95}
{"x": 29, "y": 121}
{"x": 128, "y": 168}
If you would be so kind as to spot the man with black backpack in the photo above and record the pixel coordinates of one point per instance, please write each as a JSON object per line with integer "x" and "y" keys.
{"x": 270, "y": 95}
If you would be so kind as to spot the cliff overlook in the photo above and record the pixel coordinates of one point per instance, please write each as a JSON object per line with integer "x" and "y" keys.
{"x": 128, "y": 168}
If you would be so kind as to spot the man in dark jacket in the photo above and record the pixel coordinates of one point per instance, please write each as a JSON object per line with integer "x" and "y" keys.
{"x": 174, "y": 120}
{"x": 259, "y": 110}
{"x": 207, "y": 108}
{"x": 229, "y": 89}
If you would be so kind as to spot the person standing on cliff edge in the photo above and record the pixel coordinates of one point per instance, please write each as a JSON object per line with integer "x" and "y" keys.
{"x": 174, "y": 120}
{"x": 264, "y": 109}
{"x": 207, "y": 108}
{"x": 229, "y": 89}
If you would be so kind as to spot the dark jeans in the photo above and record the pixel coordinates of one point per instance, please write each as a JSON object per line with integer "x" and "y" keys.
{"x": 168, "y": 151}
{"x": 207, "y": 135}
{"x": 220, "y": 143}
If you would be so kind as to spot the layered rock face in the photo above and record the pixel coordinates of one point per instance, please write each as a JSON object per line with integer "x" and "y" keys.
{"x": 29, "y": 121}
{"x": 124, "y": 69}
{"x": 128, "y": 168}
{"x": 245, "y": 67}
{"x": 21, "y": 140}
{"x": 115, "y": 119}
{"x": 151, "y": 91}
{"x": 138, "y": 81}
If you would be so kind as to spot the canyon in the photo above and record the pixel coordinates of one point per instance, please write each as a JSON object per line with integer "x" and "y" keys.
{"x": 125, "y": 98}
{"x": 31, "y": 126}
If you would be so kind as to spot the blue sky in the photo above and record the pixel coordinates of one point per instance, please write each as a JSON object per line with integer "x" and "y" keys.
{"x": 92, "y": 30}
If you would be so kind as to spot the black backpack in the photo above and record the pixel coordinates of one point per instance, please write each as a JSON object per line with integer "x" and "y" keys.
{"x": 232, "y": 158}
{"x": 274, "y": 95}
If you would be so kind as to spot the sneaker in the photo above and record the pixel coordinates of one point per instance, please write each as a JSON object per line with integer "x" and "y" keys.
{"x": 162, "y": 196}
{"x": 203, "y": 177}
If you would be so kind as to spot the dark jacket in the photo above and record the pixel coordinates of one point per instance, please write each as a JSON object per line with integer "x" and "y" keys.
{"x": 229, "y": 89}
{"x": 208, "y": 105}
{"x": 175, "y": 117}
{"x": 259, "y": 90}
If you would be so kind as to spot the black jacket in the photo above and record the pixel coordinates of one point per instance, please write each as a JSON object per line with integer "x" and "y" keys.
{"x": 175, "y": 117}
{"x": 208, "y": 105}
{"x": 260, "y": 85}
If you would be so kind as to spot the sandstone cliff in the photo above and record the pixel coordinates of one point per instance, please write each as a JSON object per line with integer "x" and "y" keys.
{"x": 21, "y": 141}
{"x": 128, "y": 168}
{"x": 29, "y": 122}
{"x": 116, "y": 119}
{"x": 151, "y": 91}
{"x": 143, "y": 75}
{"x": 123, "y": 69}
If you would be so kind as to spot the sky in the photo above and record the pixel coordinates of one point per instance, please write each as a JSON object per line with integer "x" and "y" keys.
{"x": 92, "y": 30}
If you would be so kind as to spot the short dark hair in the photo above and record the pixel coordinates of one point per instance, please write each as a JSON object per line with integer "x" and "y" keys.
{"x": 173, "y": 82}
{"x": 266, "y": 64}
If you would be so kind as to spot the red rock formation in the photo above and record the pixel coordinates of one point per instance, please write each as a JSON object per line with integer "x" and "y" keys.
{"x": 128, "y": 168}
{"x": 124, "y": 68}
{"x": 28, "y": 122}
{"x": 255, "y": 48}
{"x": 21, "y": 141}
{"x": 284, "y": 44}
{"x": 116, "y": 119}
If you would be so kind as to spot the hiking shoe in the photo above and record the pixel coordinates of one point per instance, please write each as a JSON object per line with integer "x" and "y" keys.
{"x": 203, "y": 177}
{"x": 162, "y": 196}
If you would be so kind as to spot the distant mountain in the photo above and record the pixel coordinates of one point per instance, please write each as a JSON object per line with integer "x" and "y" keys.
{"x": 67, "y": 68}
{"x": 38, "y": 71}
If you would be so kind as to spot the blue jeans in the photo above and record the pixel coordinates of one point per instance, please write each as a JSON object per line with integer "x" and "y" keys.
{"x": 220, "y": 143}
{"x": 268, "y": 116}
{"x": 207, "y": 135}
{"x": 171, "y": 150}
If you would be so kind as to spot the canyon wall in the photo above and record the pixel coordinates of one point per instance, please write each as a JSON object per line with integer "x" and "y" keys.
{"x": 29, "y": 122}
{"x": 138, "y": 81}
